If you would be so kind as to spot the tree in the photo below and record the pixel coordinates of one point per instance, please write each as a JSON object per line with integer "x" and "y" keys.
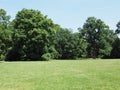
{"x": 98, "y": 37}
{"x": 118, "y": 28}
{"x": 33, "y": 35}
{"x": 69, "y": 45}
{"x": 5, "y": 34}
{"x": 115, "y": 53}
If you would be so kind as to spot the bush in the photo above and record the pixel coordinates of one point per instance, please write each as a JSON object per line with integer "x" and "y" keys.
{"x": 52, "y": 51}
{"x": 46, "y": 57}
{"x": 2, "y": 57}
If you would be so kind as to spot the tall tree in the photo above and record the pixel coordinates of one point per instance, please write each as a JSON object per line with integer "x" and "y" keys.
{"x": 118, "y": 28}
{"x": 115, "y": 53}
{"x": 33, "y": 35}
{"x": 98, "y": 37}
{"x": 4, "y": 33}
{"x": 69, "y": 45}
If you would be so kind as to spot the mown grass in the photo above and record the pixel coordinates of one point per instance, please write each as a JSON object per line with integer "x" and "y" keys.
{"x": 61, "y": 75}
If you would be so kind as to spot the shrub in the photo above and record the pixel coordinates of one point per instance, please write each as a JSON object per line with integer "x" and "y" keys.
{"x": 2, "y": 57}
{"x": 46, "y": 57}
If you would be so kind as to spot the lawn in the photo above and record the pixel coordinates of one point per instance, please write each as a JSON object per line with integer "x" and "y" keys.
{"x": 61, "y": 75}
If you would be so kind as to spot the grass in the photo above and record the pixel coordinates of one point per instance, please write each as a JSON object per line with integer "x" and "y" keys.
{"x": 61, "y": 75}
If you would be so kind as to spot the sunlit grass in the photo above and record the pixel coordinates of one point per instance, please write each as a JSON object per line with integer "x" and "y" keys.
{"x": 61, "y": 75}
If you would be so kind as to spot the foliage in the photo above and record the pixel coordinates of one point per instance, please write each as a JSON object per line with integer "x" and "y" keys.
{"x": 46, "y": 56}
{"x": 5, "y": 34}
{"x": 118, "y": 28}
{"x": 98, "y": 37}
{"x": 32, "y": 33}
{"x": 69, "y": 45}
{"x": 33, "y": 36}
{"x": 115, "y": 53}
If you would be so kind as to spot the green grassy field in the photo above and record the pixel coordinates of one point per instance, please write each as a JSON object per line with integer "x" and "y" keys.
{"x": 61, "y": 75}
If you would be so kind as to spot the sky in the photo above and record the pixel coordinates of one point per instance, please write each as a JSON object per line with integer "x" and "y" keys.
{"x": 68, "y": 13}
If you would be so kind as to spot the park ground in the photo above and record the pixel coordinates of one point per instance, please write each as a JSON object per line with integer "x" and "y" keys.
{"x": 61, "y": 75}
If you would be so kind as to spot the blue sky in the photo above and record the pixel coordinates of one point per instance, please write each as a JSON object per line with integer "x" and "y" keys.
{"x": 69, "y": 13}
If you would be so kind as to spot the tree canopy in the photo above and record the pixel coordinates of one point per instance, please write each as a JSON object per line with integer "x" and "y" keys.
{"x": 33, "y": 33}
{"x": 33, "y": 36}
{"x": 98, "y": 37}
{"x": 5, "y": 36}
{"x": 69, "y": 45}
{"x": 118, "y": 28}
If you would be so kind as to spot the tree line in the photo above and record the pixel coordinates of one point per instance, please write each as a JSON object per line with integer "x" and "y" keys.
{"x": 33, "y": 36}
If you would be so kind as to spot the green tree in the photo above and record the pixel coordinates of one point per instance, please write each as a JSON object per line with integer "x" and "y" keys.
{"x": 5, "y": 35}
{"x": 33, "y": 35}
{"x": 118, "y": 28}
{"x": 115, "y": 53}
{"x": 98, "y": 37}
{"x": 69, "y": 45}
